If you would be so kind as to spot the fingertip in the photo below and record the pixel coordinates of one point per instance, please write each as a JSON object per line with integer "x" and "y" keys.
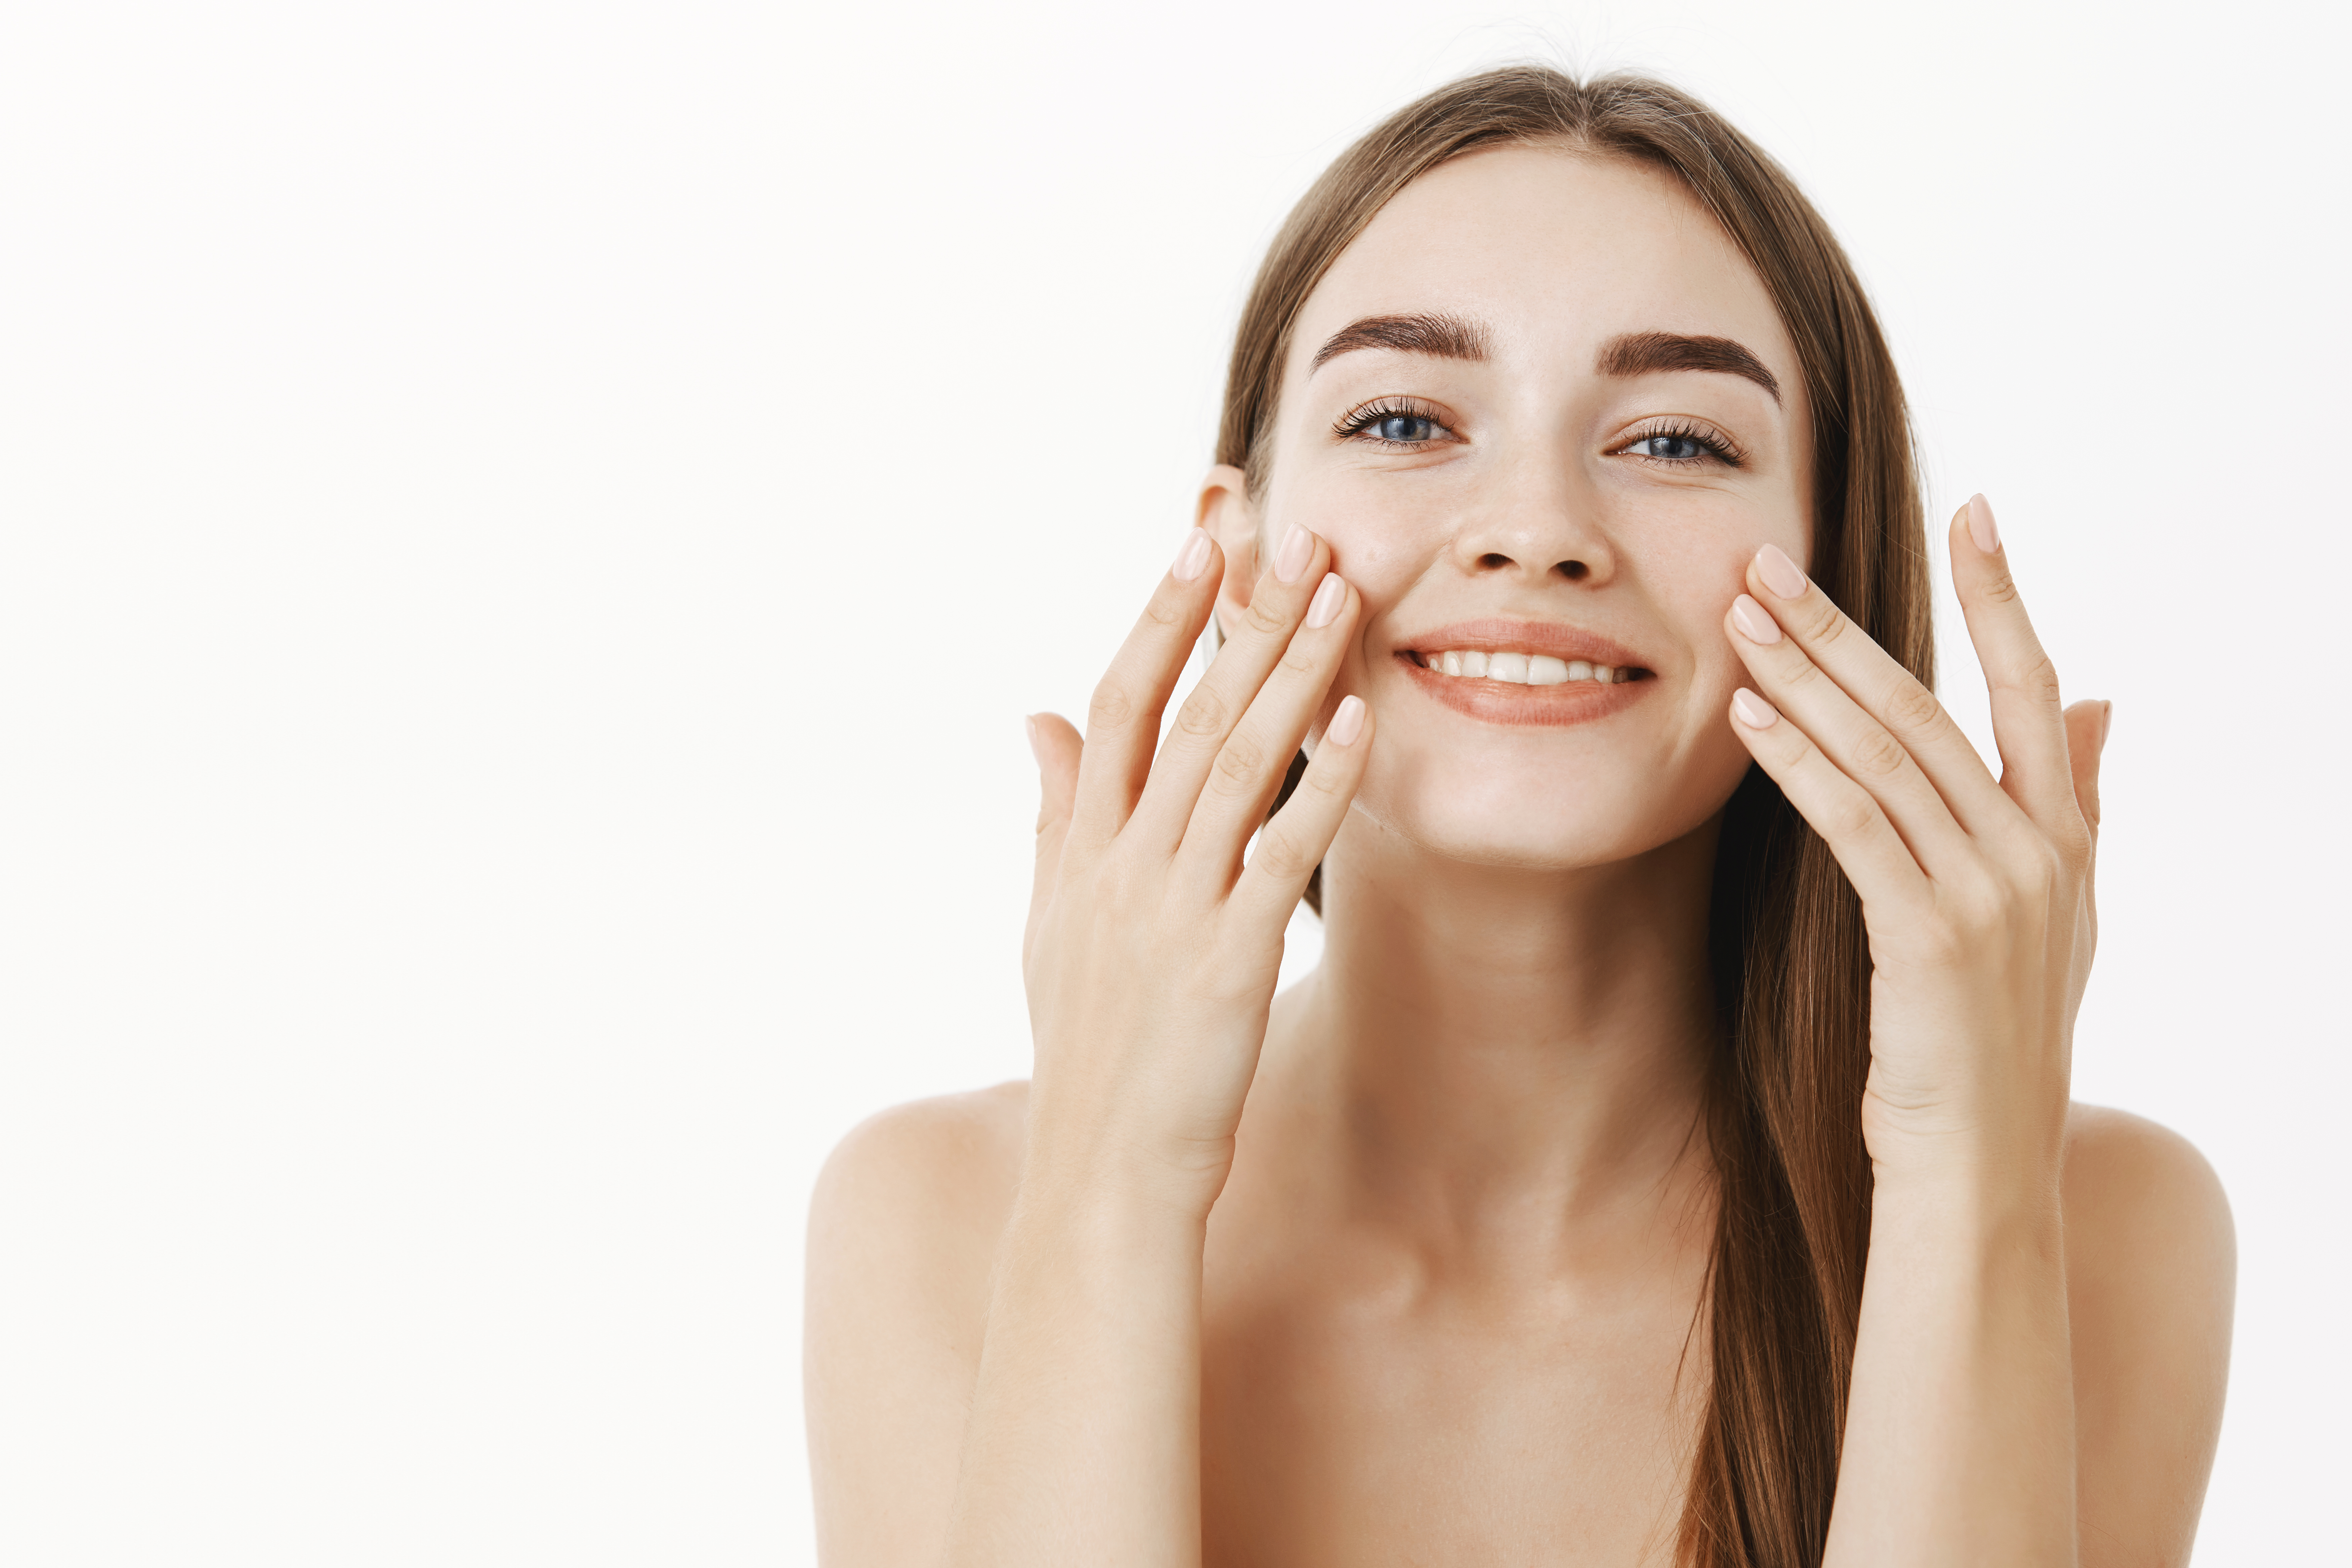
{"x": 1983, "y": 532}
{"x": 1192, "y": 556}
{"x": 1753, "y": 710}
{"x": 2107, "y": 722}
{"x": 1346, "y": 722}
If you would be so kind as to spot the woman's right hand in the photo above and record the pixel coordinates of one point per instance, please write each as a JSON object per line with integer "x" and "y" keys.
{"x": 1152, "y": 950}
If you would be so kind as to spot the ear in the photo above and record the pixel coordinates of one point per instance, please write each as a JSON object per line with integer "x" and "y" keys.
{"x": 1225, "y": 511}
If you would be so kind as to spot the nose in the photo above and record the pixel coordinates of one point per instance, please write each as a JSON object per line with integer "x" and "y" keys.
{"x": 1538, "y": 523}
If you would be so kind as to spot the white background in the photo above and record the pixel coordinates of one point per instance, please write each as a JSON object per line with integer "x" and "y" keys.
{"x": 529, "y": 531}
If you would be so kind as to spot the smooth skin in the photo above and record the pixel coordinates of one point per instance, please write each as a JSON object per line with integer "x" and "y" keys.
{"x": 1404, "y": 1265}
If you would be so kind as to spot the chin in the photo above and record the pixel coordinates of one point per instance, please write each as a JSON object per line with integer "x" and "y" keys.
{"x": 1536, "y": 822}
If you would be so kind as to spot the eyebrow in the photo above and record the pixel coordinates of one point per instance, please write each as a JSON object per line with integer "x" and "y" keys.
{"x": 1640, "y": 354}
{"x": 1446, "y": 337}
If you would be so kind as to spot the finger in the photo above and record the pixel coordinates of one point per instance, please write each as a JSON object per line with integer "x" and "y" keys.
{"x": 1881, "y": 688}
{"x": 1290, "y": 846}
{"x": 1861, "y": 747}
{"x": 1255, "y": 643}
{"x": 1123, "y": 719}
{"x": 2027, "y": 724}
{"x": 1055, "y": 741}
{"x": 1250, "y": 766}
{"x": 2087, "y": 743}
{"x": 1843, "y": 813}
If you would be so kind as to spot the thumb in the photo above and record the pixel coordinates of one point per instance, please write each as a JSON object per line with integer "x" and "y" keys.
{"x": 2086, "y": 738}
{"x": 1057, "y": 746}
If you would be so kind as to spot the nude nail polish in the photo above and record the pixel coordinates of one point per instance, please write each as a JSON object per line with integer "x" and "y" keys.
{"x": 1192, "y": 556}
{"x": 1780, "y": 572}
{"x": 1753, "y": 710}
{"x": 1982, "y": 530}
{"x": 1755, "y": 623}
{"x": 1325, "y": 609}
{"x": 1029, "y": 723}
{"x": 1348, "y": 722}
{"x": 1298, "y": 550}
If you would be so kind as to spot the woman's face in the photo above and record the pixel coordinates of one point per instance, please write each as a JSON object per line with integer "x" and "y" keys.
{"x": 1530, "y": 410}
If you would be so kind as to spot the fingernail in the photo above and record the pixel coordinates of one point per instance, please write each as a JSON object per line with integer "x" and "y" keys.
{"x": 1780, "y": 572}
{"x": 1192, "y": 556}
{"x": 1982, "y": 527}
{"x": 2106, "y": 722}
{"x": 1298, "y": 549}
{"x": 1753, "y": 710}
{"x": 1754, "y": 623}
{"x": 1324, "y": 609}
{"x": 1029, "y": 723}
{"x": 1349, "y": 721}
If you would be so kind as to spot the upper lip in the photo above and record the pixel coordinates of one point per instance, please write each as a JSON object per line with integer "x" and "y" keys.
{"x": 1525, "y": 636}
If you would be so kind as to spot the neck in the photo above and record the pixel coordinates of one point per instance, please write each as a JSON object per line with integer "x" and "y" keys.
{"x": 1508, "y": 1063}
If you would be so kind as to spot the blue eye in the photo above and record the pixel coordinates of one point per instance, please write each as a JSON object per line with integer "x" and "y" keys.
{"x": 1396, "y": 423}
{"x": 1404, "y": 428}
{"x": 1671, "y": 448}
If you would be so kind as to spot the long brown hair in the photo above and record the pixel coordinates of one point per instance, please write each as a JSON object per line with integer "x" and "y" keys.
{"x": 1790, "y": 964}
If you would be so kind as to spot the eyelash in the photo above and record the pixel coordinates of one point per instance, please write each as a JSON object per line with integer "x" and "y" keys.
{"x": 1727, "y": 451}
{"x": 1356, "y": 421}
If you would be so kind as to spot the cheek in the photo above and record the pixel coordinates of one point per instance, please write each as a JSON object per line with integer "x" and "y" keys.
{"x": 1381, "y": 539}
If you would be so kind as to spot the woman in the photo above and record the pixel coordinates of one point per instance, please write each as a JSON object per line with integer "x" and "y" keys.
{"x": 1671, "y": 1159}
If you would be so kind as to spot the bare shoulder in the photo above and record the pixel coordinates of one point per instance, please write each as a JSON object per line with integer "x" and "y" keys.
{"x": 2151, "y": 1281}
{"x": 2135, "y": 1190}
{"x": 937, "y": 1172}
{"x": 902, "y": 1236}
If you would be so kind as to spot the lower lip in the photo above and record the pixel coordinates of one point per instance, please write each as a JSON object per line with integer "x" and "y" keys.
{"x": 1506, "y": 703}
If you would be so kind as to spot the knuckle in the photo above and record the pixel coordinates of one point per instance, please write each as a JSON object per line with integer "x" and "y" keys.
{"x": 2044, "y": 867}
{"x": 1163, "y": 610}
{"x": 1111, "y": 707}
{"x": 1204, "y": 712}
{"x": 1264, "y": 617}
{"x": 1878, "y": 754}
{"x": 1854, "y": 817}
{"x": 1912, "y": 707}
{"x": 2039, "y": 679}
{"x": 1279, "y": 855}
{"x": 1324, "y": 783}
{"x": 1824, "y": 622}
{"x": 1800, "y": 673}
{"x": 1241, "y": 764}
{"x": 2001, "y": 589}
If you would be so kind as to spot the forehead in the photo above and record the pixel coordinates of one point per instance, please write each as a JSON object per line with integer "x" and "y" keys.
{"x": 1559, "y": 252}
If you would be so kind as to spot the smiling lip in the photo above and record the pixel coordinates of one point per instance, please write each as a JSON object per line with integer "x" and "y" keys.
{"x": 1502, "y": 702}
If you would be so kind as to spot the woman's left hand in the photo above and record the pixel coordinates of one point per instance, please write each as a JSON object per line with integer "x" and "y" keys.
{"x": 1975, "y": 891}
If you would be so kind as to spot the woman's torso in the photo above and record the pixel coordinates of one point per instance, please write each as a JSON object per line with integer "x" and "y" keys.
{"x": 1362, "y": 1405}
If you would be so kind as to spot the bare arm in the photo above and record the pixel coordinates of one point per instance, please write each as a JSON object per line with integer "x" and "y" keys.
{"x": 1962, "y": 1430}
{"x": 1150, "y": 958}
{"x": 2152, "y": 1273}
{"x": 903, "y": 1232}
{"x": 2032, "y": 1372}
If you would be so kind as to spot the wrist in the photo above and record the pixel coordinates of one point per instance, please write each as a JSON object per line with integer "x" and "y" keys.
{"x": 1081, "y": 1157}
{"x": 1952, "y": 1198}
{"x": 1122, "y": 1185}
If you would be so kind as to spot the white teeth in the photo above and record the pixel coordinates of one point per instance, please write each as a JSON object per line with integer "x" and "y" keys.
{"x": 1523, "y": 669}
